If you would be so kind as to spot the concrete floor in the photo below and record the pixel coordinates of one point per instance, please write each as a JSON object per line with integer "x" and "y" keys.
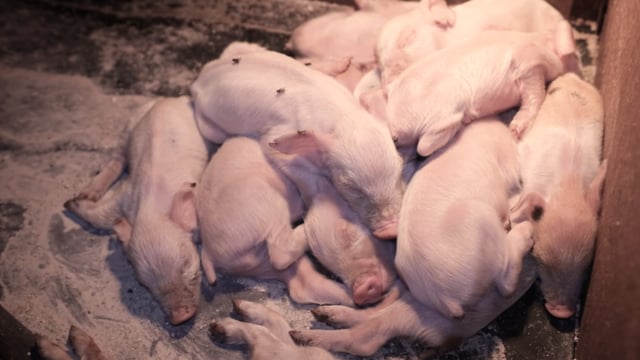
{"x": 72, "y": 75}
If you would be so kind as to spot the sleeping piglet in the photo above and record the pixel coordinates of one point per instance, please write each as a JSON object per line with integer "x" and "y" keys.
{"x": 265, "y": 331}
{"x": 561, "y": 172}
{"x": 434, "y": 97}
{"x": 337, "y": 237}
{"x": 152, "y": 209}
{"x": 413, "y": 35}
{"x": 345, "y": 34}
{"x": 452, "y": 246}
{"x": 364, "y": 331}
{"x": 245, "y": 210}
{"x": 285, "y": 98}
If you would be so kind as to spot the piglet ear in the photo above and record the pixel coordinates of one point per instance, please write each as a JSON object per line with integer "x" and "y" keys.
{"x": 595, "y": 188}
{"x": 123, "y": 229}
{"x": 183, "y": 208}
{"x": 308, "y": 144}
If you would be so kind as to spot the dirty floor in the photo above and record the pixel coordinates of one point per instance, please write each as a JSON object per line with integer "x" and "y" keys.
{"x": 72, "y": 76}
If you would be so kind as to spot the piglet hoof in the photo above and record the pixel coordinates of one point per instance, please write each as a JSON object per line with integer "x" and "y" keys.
{"x": 217, "y": 333}
{"x": 321, "y": 316}
{"x": 299, "y": 338}
{"x": 237, "y": 308}
{"x": 516, "y": 130}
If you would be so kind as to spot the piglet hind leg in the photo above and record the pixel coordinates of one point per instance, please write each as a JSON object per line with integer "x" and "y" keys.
{"x": 364, "y": 339}
{"x": 104, "y": 212}
{"x": 262, "y": 315}
{"x": 532, "y": 93}
{"x": 231, "y": 331}
{"x": 49, "y": 350}
{"x": 286, "y": 246}
{"x": 103, "y": 180}
{"x": 84, "y": 345}
{"x": 307, "y": 286}
{"x": 340, "y": 316}
{"x": 519, "y": 243}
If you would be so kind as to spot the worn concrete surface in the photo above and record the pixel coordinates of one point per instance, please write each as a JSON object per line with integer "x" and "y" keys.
{"x": 72, "y": 76}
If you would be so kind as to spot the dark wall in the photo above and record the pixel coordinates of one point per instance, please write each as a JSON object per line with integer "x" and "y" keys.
{"x": 611, "y": 322}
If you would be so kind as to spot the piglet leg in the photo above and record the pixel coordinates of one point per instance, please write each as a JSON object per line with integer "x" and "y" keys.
{"x": 307, "y": 286}
{"x": 84, "y": 345}
{"x": 261, "y": 315}
{"x": 340, "y": 316}
{"x": 532, "y": 92}
{"x": 520, "y": 242}
{"x": 103, "y": 180}
{"x": 364, "y": 339}
{"x": 104, "y": 212}
{"x": 286, "y": 246}
{"x": 49, "y": 350}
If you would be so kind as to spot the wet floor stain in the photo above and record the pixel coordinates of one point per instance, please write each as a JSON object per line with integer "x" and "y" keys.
{"x": 74, "y": 249}
{"x": 11, "y": 221}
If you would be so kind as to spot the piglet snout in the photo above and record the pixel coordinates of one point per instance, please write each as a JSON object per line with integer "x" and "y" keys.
{"x": 560, "y": 311}
{"x": 367, "y": 291}
{"x": 180, "y": 314}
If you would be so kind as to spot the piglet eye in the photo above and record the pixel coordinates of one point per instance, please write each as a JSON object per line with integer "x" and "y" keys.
{"x": 395, "y": 139}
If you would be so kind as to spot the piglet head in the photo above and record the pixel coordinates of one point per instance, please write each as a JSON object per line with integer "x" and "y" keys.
{"x": 367, "y": 262}
{"x": 565, "y": 242}
{"x": 161, "y": 250}
{"x": 362, "y": 164}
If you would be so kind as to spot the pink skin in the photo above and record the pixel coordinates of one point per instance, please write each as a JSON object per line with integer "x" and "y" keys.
{"x": 82, "y": 344}
{"x": 348, "y": 33}
{"x": 415, "y": 34}
{"x": 151, "y": 210}
{"x": 265, "y": 331}
{"x": 492, "y": 72}
{"x": 560, "y": 160}
{"x": 560, "y": 311}
{"x": 350, "y": 251}
{"x": 245, "y": 215}
{"x": 367, "y": 290}
{"x": 452, "y": 248}
{"x": 364, "y": 331}
{"x": 305, "y": 113}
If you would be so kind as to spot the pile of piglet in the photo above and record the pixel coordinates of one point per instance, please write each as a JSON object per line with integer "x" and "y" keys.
{"x": 383, "y": 149}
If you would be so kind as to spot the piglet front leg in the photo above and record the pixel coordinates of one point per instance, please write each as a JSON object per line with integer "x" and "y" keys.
{"x": 532, "y": 92}
{"x": 265, "y": 331}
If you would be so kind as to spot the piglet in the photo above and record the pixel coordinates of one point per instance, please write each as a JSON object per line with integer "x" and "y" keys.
{"x": 245, "y": 208}
{"x": 337, "y": 237}
{"x": 345, "y": 34}
{"x": 83, "y": 345}
{"x": 152, "y": 210}
{"x": 287, "y": 98}
{"x": 452, "y": 247}
{"x": 412, "y": 35}
{"x": 561, "y": 172}
{"x": 364, "y": 331}
{"x": 434, "y": 97}
{"x": 266, "y": 332}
